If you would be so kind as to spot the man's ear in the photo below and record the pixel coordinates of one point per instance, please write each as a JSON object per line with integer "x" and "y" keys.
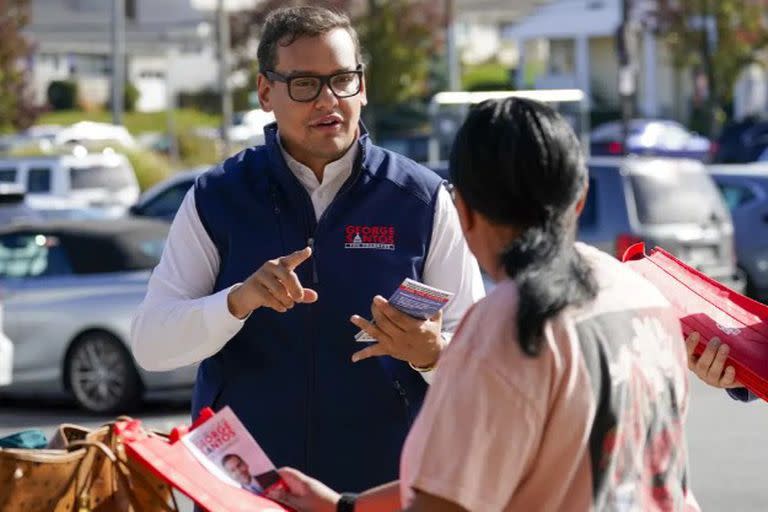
{"x": 363, "y": 92}
{"x": 264, "y": 87}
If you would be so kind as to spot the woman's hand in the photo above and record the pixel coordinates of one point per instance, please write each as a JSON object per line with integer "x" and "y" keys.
{"x": 305, "y": 494}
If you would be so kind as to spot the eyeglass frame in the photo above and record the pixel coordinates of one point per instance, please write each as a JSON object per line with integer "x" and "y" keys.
{"x": 325, "y": 81}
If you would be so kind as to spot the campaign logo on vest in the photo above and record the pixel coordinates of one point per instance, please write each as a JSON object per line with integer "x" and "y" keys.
{"x": 370, "y": 237}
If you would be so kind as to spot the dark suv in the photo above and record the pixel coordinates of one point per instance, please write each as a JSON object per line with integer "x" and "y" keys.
{"x": 670, "y": 203}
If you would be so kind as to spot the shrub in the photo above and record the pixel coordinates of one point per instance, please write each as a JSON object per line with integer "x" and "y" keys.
{"x": 62, "y": 94}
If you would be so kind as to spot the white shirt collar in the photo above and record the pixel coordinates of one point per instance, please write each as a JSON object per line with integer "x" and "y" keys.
{"x": 335, "y": 173}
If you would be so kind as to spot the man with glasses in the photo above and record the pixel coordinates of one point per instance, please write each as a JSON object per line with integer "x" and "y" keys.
{"x": 283, "y": 252}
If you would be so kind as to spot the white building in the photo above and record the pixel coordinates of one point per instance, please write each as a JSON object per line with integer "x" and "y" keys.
{"x": 575, "y": 41}
{"x": 167, "y": 42}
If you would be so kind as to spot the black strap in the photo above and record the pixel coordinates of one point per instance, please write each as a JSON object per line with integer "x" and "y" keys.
{"x": 346, "y": 502}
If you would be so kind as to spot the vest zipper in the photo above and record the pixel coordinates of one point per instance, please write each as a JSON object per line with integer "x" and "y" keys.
{"x": 311, "y": 244}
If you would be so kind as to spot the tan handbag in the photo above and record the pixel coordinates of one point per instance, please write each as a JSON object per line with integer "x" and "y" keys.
{"x": 84, "y": 471}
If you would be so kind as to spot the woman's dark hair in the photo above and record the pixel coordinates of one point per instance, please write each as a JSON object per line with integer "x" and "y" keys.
{"x": 517, "y": 162}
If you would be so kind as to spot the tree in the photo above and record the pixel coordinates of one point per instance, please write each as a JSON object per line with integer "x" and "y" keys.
{"x": 16, "y": 105}
{"x": 718, "y": 38}
{"x": 399, "y": 39}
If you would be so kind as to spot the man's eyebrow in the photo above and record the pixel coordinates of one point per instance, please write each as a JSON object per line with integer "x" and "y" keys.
{"x": 303, "y": 72}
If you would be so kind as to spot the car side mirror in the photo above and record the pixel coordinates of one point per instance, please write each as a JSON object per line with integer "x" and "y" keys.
{"x": 135, "y": 210}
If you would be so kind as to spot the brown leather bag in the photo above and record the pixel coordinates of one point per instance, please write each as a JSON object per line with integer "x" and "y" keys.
{"x": 84, "y": 471}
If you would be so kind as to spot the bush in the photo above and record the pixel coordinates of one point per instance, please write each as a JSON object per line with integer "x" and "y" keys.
{"x": 62, "y": 94}
{"x": 131, "y": 97}
{"x": 487, "y": 77}
{"x": 195, "y": 150}
{"x": 150, "y": 167}
{"x": 206, "y": 100}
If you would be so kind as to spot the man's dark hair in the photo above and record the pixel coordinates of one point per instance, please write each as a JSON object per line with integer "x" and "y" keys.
{"x": 229, "y": 457}
{"x": 519, "y": 163}
{"x": 284, "y": 26}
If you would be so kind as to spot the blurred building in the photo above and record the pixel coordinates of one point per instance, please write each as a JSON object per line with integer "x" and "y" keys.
{"x": 573, "y": 44}
{"x": 167, "y": 42}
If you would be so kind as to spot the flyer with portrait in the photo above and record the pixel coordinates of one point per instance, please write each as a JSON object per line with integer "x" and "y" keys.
{"x": 414, "y": 299}
{"x": 224, "y": 447}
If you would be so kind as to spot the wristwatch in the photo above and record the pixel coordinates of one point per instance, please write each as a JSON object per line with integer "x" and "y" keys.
{"x": 346, "y": 502}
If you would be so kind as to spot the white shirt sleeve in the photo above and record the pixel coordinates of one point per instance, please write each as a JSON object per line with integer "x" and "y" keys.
{"x": 450, "y": 266}
{"x": 180, "y": 322}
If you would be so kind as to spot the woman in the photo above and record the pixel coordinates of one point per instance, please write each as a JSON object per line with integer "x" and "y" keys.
{"x": 565, "y": 388}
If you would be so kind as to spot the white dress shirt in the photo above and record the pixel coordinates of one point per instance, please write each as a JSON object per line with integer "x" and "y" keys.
{"x": 180, "y": 321}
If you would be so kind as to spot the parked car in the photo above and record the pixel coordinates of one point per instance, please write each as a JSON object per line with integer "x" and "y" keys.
{"x": 670, "y": 203}
{"x": 13, "y": 207}
{"x": 742, "y": 142}
{"x": 163, "y": 200}
{"x": 248, "y": 126}
{"x": 415, "y": 147}
{"x": 69, "y": 290}
{"x": 745, "y": 190}
{"x": 90, "y": 132}
{"x": 649, "y": 137}
{"x": 103, "y": 180}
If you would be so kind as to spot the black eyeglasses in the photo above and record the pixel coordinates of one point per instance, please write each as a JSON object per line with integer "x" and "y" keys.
{"x": 304, "y": 88}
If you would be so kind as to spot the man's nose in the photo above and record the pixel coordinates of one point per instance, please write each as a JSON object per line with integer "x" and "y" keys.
{"x": 326, "y": 97}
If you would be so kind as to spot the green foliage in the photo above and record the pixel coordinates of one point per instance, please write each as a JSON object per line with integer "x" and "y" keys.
{"x": 135, "y": 122}
{"x": 62, "y": 94}
{"x": 16, "y": 105}
{"x": 741, "y": 32}
{"x": 490, "y": 76}
{"x": 150, "y": 167}
{"x": 130, "y": 97}
{"x": 195, "y": 150}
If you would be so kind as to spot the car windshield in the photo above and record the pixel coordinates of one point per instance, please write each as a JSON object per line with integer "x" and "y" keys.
{"x": 676, "y": 195}
{"x": 108, "y": 177}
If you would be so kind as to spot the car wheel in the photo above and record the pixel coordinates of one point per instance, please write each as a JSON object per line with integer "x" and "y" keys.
{"x": 101, "y": 375}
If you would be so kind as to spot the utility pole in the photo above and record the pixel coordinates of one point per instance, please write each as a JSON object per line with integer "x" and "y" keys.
{"x": 454, "y": 76}
{"x": 118, "y": 60}
{"x": 627, "y": 76}
{"x": 222, "y": 23}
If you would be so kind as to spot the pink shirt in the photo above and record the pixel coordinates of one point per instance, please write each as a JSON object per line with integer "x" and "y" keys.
{"x": 595, "y": 422}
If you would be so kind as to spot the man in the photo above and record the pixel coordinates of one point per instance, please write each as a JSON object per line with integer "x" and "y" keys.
{"x": 277, "y": 255}
{"x": 239, "y": 471}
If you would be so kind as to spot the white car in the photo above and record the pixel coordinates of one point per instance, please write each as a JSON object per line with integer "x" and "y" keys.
{"x": 6, "y": 355}
{"x": 248, "y": 127}
{"x": 100, "y": 180}
{"x": 86, "y": 132}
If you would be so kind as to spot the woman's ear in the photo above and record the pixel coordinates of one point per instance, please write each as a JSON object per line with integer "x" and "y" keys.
{"x": 466, "y": 215}
{"x": 582, "y": 200}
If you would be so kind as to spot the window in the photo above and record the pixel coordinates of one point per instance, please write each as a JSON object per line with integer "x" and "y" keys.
{"x": 167, "y": 203}
{"x": 7, "y": 175}
{"x": 27, "y": 255}
{"x": 588, "y": 216}
{"x": 130, "y": 10}
{"x": 673, "y": 196}
{"x": 38, "y": 180}
{"x": 110, "y": 178}
{"x": 735, "y": 195}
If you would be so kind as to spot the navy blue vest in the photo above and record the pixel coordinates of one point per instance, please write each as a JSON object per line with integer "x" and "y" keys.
{"x": 289, "y": 377}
